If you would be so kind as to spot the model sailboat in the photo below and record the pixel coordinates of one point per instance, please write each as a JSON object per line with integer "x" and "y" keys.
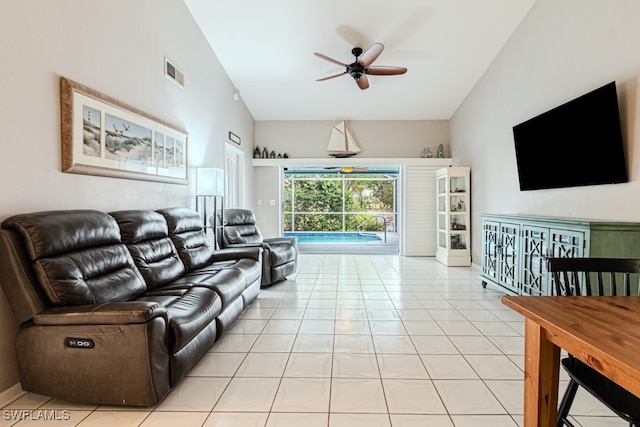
{"x": 341, "y": 142}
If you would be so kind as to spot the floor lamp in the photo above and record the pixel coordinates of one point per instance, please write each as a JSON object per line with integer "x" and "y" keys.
{"x": 210, "y": 186}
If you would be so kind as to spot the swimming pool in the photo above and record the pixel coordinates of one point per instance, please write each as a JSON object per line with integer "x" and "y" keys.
{"x": 333, "y": 237}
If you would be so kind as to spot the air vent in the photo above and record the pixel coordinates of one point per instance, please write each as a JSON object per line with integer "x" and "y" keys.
{"x": 173, "y": 73}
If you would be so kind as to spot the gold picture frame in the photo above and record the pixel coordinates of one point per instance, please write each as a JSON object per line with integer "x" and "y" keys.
{"x": 103, "y": 136}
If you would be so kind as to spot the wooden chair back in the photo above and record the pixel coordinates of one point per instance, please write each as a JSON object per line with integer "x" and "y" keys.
{"x": 595, "y": 276}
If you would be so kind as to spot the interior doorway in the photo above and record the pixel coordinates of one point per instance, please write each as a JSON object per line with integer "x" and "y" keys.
{"x": 234, "y": 181}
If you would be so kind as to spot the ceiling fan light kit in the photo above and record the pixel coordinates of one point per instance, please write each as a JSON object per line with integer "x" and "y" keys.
{"x": 361, "y": 67}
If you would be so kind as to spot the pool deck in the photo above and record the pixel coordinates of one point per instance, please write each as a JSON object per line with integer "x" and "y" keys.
{"x": 390, "y": 247}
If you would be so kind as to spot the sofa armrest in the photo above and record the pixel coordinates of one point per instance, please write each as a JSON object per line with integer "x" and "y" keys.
{"x": 281, "y": 240}
{"x": 237, "y": 252}
{"x": 244, "y": 245}
{"x": 116, "y": 313}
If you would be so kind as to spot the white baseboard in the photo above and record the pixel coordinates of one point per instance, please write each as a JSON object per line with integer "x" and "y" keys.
{"x": 11, "y": 394}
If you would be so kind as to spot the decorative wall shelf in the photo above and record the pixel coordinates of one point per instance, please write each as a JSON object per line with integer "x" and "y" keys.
{"x": 354, "y": 161}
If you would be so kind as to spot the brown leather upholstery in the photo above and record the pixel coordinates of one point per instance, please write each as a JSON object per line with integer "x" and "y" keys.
{"x": 187, "y": 233}
{"x": 83, "y": 261}
{"x": 279, "y": 259}
{"x": 147, "y": 238}
{"x": 110, "y": 310}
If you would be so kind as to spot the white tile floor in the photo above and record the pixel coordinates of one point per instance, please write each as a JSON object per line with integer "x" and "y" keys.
{"x": 350, "y": 340}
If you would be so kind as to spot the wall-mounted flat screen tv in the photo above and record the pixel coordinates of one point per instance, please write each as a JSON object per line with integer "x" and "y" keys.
{"x": 578, "y": 143}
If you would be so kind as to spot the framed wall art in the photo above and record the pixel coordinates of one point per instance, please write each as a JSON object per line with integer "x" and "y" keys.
{"x": 235, "y": 138}
{"x": 103, "y": 136}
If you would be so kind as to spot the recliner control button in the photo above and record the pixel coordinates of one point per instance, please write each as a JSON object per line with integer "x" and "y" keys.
{"x": 78, "y": 343}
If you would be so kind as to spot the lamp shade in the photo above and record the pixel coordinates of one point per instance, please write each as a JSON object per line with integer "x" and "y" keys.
{"x": 209, "y": 182}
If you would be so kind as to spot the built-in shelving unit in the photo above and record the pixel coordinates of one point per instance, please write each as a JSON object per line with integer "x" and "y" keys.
{"x": 453, "y": 220}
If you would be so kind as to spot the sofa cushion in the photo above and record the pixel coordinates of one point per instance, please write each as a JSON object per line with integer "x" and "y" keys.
{"x": 228, "y": 283}
{"x": 240, "y": 227}
{"x": 239, "y": 217}
{"x": 146, "y": 235}
{"x": 187, "y": 234}
{"x": 55, "y": 232}
{"x": 190, "y": 310}
{"x": 240, "y": 234}
{"x": 90, "y": 276}
{"x": 251, "y": 270}
{"x": 78, "y": 257}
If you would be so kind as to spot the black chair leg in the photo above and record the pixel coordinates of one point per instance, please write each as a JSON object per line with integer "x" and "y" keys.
{"x": 565, "y": 405}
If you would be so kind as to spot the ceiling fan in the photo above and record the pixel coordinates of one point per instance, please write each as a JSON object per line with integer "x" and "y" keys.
{"x": 362, "y": 65}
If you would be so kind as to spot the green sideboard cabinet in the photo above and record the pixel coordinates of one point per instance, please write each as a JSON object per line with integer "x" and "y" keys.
{"x": 514, "y": 247}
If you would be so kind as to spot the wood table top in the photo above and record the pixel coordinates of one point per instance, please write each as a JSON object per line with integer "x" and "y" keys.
{"x": 603, "y": 332}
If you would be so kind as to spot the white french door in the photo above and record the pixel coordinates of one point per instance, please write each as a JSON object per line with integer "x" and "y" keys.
{"x": 234, "y": 164}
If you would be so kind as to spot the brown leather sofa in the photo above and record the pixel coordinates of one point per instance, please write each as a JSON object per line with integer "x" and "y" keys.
{"x": 117, "y": 308}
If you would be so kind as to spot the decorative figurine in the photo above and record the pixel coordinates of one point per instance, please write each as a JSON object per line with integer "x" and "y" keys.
{"x": 256, "y": 153}
{"x": 426, "y": 153}
{"x": 440, "y": 151}
{"x": 265, "y": 153}
{"x": 279, "y": 155}
{"x": 272, "y": 155}
{"x": 285, "y": 156}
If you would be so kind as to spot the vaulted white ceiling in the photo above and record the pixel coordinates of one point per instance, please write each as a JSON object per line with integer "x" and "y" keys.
{"x": 266, "y": 48}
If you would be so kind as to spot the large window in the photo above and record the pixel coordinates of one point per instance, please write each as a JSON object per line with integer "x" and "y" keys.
{"x": 339, "y": 202}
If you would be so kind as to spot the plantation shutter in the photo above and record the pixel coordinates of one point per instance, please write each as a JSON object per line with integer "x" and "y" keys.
{"x": 419, "y": 210}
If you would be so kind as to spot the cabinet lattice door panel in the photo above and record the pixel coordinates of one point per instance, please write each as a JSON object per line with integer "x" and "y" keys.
{"x": 509, "y": 257}
{"x": 514, "y": 247}
{"x": 490, "y": 249}
{"x": 567, "y": 244}
{"x": 535, "y": 248}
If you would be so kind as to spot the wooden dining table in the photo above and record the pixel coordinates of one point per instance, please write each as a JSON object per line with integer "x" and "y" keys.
{"x": 603, "y": 332}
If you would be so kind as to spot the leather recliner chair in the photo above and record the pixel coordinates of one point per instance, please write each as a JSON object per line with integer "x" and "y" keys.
{"x": 279, "y": 257}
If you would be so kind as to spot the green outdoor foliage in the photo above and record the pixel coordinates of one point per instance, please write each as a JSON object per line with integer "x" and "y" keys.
{"x": 330, "y": 204}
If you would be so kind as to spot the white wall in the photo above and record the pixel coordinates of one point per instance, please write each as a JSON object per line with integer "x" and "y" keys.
{"x": 562, "y": 49}
{"x": 267, "y": 187}
{"x": 383, "y": 138}
{"x": 309, "y": 139}
{"x": 116, "y": 47}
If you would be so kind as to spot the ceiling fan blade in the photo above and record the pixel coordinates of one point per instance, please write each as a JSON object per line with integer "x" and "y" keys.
{"x": 332, "y": 77}
{"x": 326, "y": 58}
{"x": 363, "y": 82}
{"x": 385, "y": 71}
{"x": 371, "y": 54}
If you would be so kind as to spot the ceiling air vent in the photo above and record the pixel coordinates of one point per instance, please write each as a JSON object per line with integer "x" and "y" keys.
{"x": 173, "y": 73}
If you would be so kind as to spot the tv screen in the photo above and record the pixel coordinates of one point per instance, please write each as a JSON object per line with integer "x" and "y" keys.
{"x": 578, "y": 143}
